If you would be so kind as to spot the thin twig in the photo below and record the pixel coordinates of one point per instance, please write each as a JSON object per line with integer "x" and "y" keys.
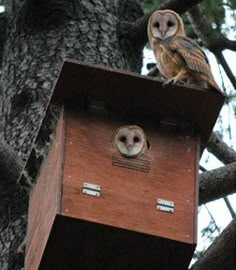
{"x": 226, "y": 67}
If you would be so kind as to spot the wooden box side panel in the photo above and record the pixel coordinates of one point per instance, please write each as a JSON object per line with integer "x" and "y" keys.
{"x": 128, "y": 197}
{"x": 45, "y": 200}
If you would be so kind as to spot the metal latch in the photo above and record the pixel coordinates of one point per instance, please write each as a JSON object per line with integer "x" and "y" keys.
{"x": 166, "y": 206}
{"x": 91, "y": 189}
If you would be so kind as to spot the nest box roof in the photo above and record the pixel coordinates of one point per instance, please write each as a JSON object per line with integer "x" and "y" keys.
{"x": 136, "y": 94}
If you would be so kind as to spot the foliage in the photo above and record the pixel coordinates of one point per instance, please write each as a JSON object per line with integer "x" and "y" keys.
{"x": 150, "y": 4}
{"x": 215, "y": 12}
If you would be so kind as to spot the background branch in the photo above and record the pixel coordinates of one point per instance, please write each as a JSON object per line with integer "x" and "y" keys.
{"x": 217, "y": 183}
{"x": 220, "y": 149}
{"x": 220, "y": 255}
{"x": 219, "y": 55}
{"x": 229, "y": 206}
{"x": 226, "y": 200}
{"x": 213, "y": 40}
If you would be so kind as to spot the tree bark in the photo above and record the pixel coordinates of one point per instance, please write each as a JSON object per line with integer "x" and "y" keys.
{"x": 10, "y": 164}
{"x": 217, "y": 183}
{"x": 40, "y": 34}
{"x": 221, "y": 254}
{"x": 220, "y": 149}
{"x": 3, "y": 23}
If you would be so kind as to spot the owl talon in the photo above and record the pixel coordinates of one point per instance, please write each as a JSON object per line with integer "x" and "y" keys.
{"x": 173, "y": 81}
{"x": 182, "y": 83}
{"x": 168, "y": 82}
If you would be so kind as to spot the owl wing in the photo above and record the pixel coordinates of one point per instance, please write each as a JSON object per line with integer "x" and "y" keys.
{"x": 193, "y": 57}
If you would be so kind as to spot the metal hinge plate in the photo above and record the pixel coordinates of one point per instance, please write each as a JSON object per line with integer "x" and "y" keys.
{"x": 91, "y": 189}
{"x": 165, "y": 205}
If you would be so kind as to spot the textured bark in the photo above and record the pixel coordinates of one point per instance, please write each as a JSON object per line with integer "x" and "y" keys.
{"x": 10, "y": 164}
{"x": 3, "y": 23}
{"x": 217, "y": 183}
{"x": 40, "y": 34}
{"x": 221, "y": 254}
{"x": 46, "y": 32}
{"x": 220, "y": 149}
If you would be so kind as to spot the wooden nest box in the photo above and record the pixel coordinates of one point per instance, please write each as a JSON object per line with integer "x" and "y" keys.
{"x": 93, "y": 208}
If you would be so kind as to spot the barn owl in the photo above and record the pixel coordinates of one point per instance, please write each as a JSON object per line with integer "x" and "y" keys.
{"x": 130, "y": 141}
{"x": 179, "y": 58}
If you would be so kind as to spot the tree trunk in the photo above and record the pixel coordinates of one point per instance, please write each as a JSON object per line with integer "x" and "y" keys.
{"x": 40, "y": 34}
{"x": 36, "y": 36}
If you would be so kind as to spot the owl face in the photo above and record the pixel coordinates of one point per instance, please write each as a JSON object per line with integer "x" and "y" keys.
{"x": 130, "y": 141}
{"x": 164, "y": 24}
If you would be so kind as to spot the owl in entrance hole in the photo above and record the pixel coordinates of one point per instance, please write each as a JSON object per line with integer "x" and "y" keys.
{"x": 130, "y": 141}
{"x": 179, "y": 58}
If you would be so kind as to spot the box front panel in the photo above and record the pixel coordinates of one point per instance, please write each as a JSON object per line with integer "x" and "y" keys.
{"x": 130, "y": 188}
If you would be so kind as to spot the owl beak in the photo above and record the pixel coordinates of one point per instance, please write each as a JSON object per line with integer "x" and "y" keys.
{"x": 129, "y": 146}
{"x": 163, "y": 31}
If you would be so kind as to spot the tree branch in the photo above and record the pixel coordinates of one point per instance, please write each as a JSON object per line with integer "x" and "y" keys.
{"x": 230, "y": 208}
{"x": 219, "y": 55}
{"x": 227, "y": 202}
{"x": 220, "y": 255}
{"x": 217, "y": 183}
{"x": 220, "y": 149}
{"x": 10, "y": 164}
{"x": 213, "y": 40}
{"x": 138, "y": 30}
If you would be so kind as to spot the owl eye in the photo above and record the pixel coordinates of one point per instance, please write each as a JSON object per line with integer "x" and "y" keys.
{"x": 170, "y": 23}
{"x": 156, "y": 24}
{"x": 136, "y": 139}
{"x": 122, "y": 139}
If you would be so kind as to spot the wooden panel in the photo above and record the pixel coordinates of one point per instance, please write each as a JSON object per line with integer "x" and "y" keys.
{"x": 44, "y": 201}
{"x": 129, "y": 197}
{"x": 79, "y": 244}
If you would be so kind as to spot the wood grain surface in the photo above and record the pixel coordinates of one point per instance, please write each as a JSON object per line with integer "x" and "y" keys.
{"x": 45, "y": 201}
{"x": 128, "y": 197}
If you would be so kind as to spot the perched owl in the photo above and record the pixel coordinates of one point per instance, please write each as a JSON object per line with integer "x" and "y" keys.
{"x": 130, "y": 141}
{"x": 179, "y": 58}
